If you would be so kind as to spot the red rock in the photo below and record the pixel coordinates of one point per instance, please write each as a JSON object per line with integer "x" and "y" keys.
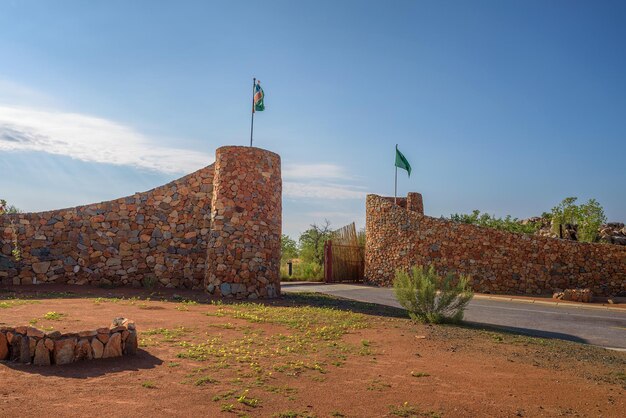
{"x": 49, "y": 344}
{"x": 113, "y": 347}
{"x": 98, "y": 348}
{"x": 34, "y": 332}
{"x": 83, "y": 350}
{"x": 4, "y": 347}
{"x": 64, "y": 350}
{"x": 42, "y": 354}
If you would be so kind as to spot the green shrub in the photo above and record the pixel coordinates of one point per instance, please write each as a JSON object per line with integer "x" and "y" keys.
{"x": 431, "y": 298}
{"x": 302, "y": 271}
{"x": 508, "y": 223}
{"x": 149, "y": 281}
{"x": 16, "y": 252}
{"x": 586, "y": 218}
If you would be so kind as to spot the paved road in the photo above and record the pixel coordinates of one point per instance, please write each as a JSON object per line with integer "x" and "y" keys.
{"x": 605, "y": 328}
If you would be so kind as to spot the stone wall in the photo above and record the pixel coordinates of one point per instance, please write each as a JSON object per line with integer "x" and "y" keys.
{"x": 244, "y": 247}
{"x": 158, "y": 236}
{"x": 220, "y": 224}
{"x": 497, "y": 261}
{"x": 30, "y": 345}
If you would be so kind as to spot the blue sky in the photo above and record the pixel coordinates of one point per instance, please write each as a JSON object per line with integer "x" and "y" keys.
{"x": 503, "y": 106}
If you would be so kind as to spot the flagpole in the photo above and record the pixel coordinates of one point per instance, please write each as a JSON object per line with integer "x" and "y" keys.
{"x": 252, "y": 122}
{"x": 395, "y": 189}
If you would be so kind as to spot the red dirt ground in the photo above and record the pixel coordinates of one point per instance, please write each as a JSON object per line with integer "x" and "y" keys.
{"x": 373, "y": 371}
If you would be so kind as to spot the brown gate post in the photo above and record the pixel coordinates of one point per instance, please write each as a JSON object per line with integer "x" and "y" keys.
{"x": 328, "y": 261}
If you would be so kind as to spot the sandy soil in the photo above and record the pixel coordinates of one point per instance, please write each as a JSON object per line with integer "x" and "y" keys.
{"x": 385, "y": 366}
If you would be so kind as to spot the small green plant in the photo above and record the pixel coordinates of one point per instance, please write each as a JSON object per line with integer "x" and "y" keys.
{"x": 148, "y": 385}
{"x": 419, "y": 374}
{"x": 227, "y": 407}
{"x": 53, "y": 316}
{"x": 185, "y": 304}
{"x": 408, "y": 410}
{"x": 149, "y": 282}
{"x": 431, "y": 298}
{"x": 206, "y": 380}
{"x": 244, "y": 399}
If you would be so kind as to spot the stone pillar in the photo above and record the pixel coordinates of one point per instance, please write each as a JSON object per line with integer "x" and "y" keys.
{"x": 243, "y": 255}
{"x": 415, "y": 203}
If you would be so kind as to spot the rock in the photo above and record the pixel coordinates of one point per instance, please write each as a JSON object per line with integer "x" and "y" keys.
{"x": 4, "y": 347}
{"x": 64, "y": 350}
{"x": 53, "y": 335}
{"x": 104, "y": 338}
{"x": 41, "y": 267}
{"x": 42, "y": 354}
{"x": 32, "y": 343}
{"x": 575, "y": 295}
{"x": 25, "y": 350}
{"x": 49, "y": 344}
{"x": 113, "y": 262}
{"x": 130, "y": 345}
{"x": 21, "y": 330}
{"x": 225, "y": 289}
{"x": 98, "y": 348}
{"x": 16, "y": 346}
{"x": 87, "y": 333}
{"x": 34, "y": 332}
{"x": 113, "y": 348}
{"x": 83, "y": 350}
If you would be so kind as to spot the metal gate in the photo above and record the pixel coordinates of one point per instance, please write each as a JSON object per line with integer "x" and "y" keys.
{"x": 344, "y": 256}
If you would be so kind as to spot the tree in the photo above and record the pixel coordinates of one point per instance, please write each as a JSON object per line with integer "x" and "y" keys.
{"x": 312, "y": 242}
{"x": 288, "y": 248}
{"x": 590, "y": 218}
{"x": 585, "y": 218}
{"x": 4, "y": 209}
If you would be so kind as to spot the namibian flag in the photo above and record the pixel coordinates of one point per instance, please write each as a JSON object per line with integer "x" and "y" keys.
{"x": 259, "y": 106}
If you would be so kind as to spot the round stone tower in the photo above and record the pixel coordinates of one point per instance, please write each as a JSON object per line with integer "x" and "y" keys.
{"x": 243, "y": 255}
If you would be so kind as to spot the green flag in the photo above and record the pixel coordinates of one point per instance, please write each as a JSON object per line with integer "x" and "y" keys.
{"x": 402, "y": 162}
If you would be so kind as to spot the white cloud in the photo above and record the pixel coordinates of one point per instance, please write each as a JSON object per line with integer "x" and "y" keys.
{"x": 90, "y": 139}
{"x": 314, "y": 171}
{"x": 295, "y": 189}
{"x": 318, "y": 181}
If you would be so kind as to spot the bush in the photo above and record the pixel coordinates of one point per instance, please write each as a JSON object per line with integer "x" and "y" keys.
{"x": 302, "y": 271}
{"x": 586, "y": 219}
{"x": 15, "y": 251}
{"x": 431, "y": 298}
{"x": 508, "y": 223}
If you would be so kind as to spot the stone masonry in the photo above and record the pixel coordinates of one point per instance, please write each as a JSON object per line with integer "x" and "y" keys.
{"x": 156, "y": 237}
{"x": 163, "y": 237}
{"x": 398, "y": 237}
{"x": 244, "y": 245}
{"x": 29, "y": 345}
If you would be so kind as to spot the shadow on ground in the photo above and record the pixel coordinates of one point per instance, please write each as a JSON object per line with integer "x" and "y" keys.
{"x": 58, "y": 291}
{"x": 91, "y": 368}
{"x": 524, "y": 331}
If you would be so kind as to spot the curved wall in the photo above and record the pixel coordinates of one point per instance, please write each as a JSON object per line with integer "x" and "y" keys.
{"x": 497, "y": 261}
{"x": 216, "y": 229}
{"x": 155, "y": 236}
{"x": 243, "y": 256}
